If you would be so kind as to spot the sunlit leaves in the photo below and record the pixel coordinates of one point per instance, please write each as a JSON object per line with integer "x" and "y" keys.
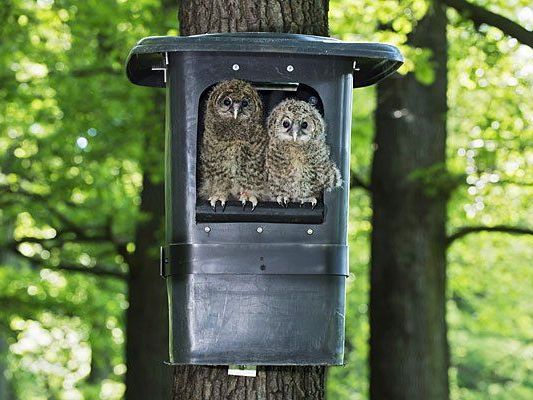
{"x": 490, "y": 164}
{"x": 490, "y": 318}
{"x": 387, "y": 21}
{"x": 73, "y": 148}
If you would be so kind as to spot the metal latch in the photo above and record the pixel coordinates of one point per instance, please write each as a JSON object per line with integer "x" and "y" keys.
{"x": 242, "y": 370}
{"x": 164, "y": 69}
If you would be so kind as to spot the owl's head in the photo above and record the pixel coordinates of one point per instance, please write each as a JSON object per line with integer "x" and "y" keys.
{"x": 234, "y": 102}
{"x": 296, "y": 120}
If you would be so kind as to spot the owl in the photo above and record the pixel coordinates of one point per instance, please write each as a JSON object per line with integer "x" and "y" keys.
{"x": 232, "y": 150}
{"x": 298, "y": 161}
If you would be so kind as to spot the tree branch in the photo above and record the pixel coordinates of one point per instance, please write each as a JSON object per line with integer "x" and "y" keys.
{"x": 461, "y": 232}
{"x": 97, "y": 270}
{"x": 69, "y": 227}
{"x": 480, "y": 15}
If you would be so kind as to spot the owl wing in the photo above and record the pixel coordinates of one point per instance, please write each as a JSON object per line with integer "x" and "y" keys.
{"x": 215, "y": 168}
{"x": 328, "y": 175}
{"x": 251, "y": 172}
{"x": 279, "y": 169}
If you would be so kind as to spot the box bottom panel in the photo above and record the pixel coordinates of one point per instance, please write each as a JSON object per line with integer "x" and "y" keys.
{"x": 256, "y": 319}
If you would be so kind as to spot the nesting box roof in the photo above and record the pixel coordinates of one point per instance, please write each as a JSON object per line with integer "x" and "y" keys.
{"x": 374, "y": 61}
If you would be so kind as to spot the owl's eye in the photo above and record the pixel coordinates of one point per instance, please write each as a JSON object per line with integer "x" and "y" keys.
{"x": 304, "y": 125}
{"x": 286, "y": 123}
{"x": 227, "y": 101}
{"x": 244, "y": 103}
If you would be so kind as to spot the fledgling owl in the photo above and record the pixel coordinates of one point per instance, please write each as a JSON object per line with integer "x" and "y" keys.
{"x": 298, "y": 160}
{"x": 232, "y": 152}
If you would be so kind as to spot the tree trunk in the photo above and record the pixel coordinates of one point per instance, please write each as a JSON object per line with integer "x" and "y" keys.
{"x": 408, "y": 345}
{"x": 295, "y": 16}
{"x": 272, "y": 383}
{"x": 5, "y": 385}
{"x": 147, "y": 376}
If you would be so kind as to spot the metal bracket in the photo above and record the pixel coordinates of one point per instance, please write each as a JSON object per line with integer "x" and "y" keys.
{"x": 164, "y": 69}
{"x": 242, "y": 370}
{"x": 162, "y": 261}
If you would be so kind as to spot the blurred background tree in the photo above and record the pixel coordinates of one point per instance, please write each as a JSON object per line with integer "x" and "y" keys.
{"x": 81, "y": 182}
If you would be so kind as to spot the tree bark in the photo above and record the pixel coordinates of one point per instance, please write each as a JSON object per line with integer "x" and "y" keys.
{"x": 408, "y": 345}
{"x": 295, "y": 16}
{"x": 147, "y": 376}
{"x": 272, "y": 383}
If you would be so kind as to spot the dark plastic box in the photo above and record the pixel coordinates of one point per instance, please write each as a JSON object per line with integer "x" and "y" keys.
{"x": 264, "y": 286}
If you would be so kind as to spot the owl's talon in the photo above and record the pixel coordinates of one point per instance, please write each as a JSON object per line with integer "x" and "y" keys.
{"x": 311, "y": 200}
{"x": 252, "y": 199}
{"x": 213, "y": 200}
{"x": 245, "y": 197}
{"x": 283, "y": 201}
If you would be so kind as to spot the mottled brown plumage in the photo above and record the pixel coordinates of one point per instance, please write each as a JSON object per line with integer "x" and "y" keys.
{"x": 298, "y": 161}
{"x": 232, "y": 152}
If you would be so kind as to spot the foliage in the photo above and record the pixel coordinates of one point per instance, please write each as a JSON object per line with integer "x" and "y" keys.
{"x": 488, "y": 175}
{"x": 76, "y": 138}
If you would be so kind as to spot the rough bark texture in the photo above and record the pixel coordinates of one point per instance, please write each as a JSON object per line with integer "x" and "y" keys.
{"x": 295, "y": 16}
{"x": 147, "y": 316}
{"x": 271, "y": 383}
{"x": 408, "y": 346}
{"x": 207, "y": 16}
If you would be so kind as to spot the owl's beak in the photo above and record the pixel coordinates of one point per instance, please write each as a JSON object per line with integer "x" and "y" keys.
{"x": 236, "y": 108}
{"x": 295, "y": 130}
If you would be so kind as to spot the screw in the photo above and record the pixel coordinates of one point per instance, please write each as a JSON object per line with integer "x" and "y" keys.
{"x": 235, "y": 67}
{"x": 207, "y": 229}
{"x": 259, "y": 229}
{"x": 290, "y": 68}
{"x": 309, "y": 231}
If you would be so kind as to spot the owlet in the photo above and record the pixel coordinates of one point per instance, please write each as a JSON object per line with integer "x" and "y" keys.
{"x": 232, "y": 151}
{"x": 298, "y": 161}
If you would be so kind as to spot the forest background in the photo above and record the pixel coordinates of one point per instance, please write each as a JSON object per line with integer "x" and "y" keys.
{"x": 81, "y": 179}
